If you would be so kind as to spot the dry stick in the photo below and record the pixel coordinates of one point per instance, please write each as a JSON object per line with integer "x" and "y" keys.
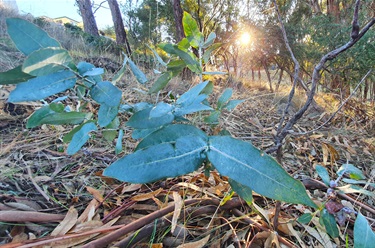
{"x": 339, "y": 108}
{"x": 315, "y": 79}
{"x": 257, "y": 225}
{"x": 35, "y": 184}
{"x": 102, "y": 242}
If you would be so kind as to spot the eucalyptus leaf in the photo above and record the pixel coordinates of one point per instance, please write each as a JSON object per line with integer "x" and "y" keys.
{"x": 116, "y": 78}
{"x": 159, "y": 161}
{"x": 189, "y": 97}
{"x": 69, "y": 136}
{"x": 94, "y": 72}
{"x": 353, "y": 181}
{"x": 28, "y": 37}
{"x": 232, "y": 104}
{"x": 83, "y": 68}
{"x": 161, "y": 82}
{"x": 118, "y": 147}
{"x": 305, "y": 218}
{"x": 142, "y": 133}
{"x": 214, "y": 73}
{"x": 323, "y": 173}
{"x": 224, "y": 98}
{"x": 35, "y": 119}
{"x": 329, "y": 223}
{"x": 189, "y": 59}
{"x": 14, "y": 76}
{"x": 210, "y": 39}
{"x": 364, "y": 237}
{"x": 242, "y": 190}
{"x": 106, "y": 93}
{"x": 167, "y": 47}
{"x": 159, "y": 59}
{"x": 161, "y": 109}
{"x": 106, "y": 114}
{"x": 80, "y": 138}
{"x": 207, "y": 54}
{"x": 349, "y": 189}
{"x": 139, "y": 75}
{"x": 169, "y": 134}
{"x": 351, "y": 170}
{"x": 245, "y": 164}
{"x": 191, "y": 30}
{"x": 213, "y": 118}
{"x": 64, "y": 118}
{"x": 142, "y": 120}
{"x": 46, "y": 61}
{"x": 41, "y": 87}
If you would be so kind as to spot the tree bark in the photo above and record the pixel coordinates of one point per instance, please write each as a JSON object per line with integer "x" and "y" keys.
{"x": 178, "y": 13}
{"x": 89, "y": 23}
{"x": 121, "y": 38}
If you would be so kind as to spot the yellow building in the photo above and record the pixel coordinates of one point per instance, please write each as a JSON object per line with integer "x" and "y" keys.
{"x": 65, "y": 19}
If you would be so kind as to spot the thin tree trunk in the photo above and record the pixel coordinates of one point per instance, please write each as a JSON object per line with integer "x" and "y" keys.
{"x": 268, "y": 74}
{"x": 89, "y": 23}
{"x": 280, "y": 78}
{"x": 178, "y": 13}
{"x": 121, "y": 38}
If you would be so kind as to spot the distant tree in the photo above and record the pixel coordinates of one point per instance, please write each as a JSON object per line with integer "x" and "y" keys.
{"x": 119, "y": 26}
{"x": 177, "y": 13}
{"x": 89, "y": 23}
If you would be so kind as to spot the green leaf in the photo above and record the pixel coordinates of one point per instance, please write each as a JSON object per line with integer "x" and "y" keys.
{"x": 69, "y": 136}
{"x": 364, "y": 237}
{"x": 159, "y": 59}
{"x": 161, "y": 109}
{"x": 142, "y": 133}
{"x": 176, "y": 66}
{"x": 191, "y": 107}
{"x": 80, "y": 138}
{"x": 224, "y": 98}
{"x": 73, "y": 118}
{"x": 118, "y": 147}
{"x": 83, "y": 68}
{"x": 159, "y": 161}
{"x": 94, "y": 72}
{"x": 352, "y": 181}
{"x": 189, "y": 97}
{"x": 46, "y": 61}
{"x": 207, "y": 54}
{"x": 210, "y": 39}
{"x": 167, "y": 47}
{"x": 184, "y": 44}
{"x": 245, "y": 164}
{"x": 120, "y": 73}
{"x": 41, "y": 87}
{"x": 35, "y": 119}
{"x": 232, "y": 104}
{"x": 106, "y": 93}
{"x": 323, "y": 173}
{"x": 28, "y": 37}
{"x": 242, "y": 190}
{"x": 213, "y": 118}
{"x": 170, "y": 133}
{"x": 142, "y": 120}
{"x": 305, "y": 218}
{"x": 14, "y": 76}
{"x": 330, "y": 223}
{"x": 106, "y": 114}
{"x": 352, "y": 171}
{"x": 190, "y": 60}
{"x": 139, "y": 75}
{"x": 110, "y": 132}
{"x": 161, "y": 82}
{"x": 191, "y": 30}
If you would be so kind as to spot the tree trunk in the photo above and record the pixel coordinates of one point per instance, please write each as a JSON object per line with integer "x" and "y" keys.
{"x": 178, "y": 13}
{"x": 121, "y": 38}
{"x": 89, "y": 23}
{"x": 268, "y": 74}
{"x": 280, "y": 78}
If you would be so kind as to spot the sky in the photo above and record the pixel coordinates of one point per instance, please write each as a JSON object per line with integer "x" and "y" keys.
{"x": 58, "y": 8}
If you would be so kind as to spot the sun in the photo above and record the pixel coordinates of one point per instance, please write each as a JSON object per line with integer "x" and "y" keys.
{"x": 245, "y": 38}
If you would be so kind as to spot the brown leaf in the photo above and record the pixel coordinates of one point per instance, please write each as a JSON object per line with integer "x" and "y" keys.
{"x": 196, "y": 244}
{"x": 147, "y": 196}
{"x": 333, "y": 206}
{"x": 177, "y": 209}
{"x": 68, "y": 222}
{"x": 88, "y": 213}
{"x": 96, "y": 193}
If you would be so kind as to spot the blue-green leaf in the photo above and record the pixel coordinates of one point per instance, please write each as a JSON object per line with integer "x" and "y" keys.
{"x": 330, "y": 223}
{"x": 73, "y": 118}
{"x": 352, "y": 171}
{"x": 41, "y": 87}
{"x": 214, "y": 73}
{"x": 14, "y": 76}
{"x": 106, "y": 93}
{"x": 110, "y": 131}
{"x": 213, "y": 118}
{"x": 161, "y": 109}
{"x": 224, "y": 98}
{"x": 161, "y": 82}
{"x": 36, "y": 118}
{"x": 232, "y": 104}
{"x": 305, "y": 218}
{"x": 28, "y": 37}
{"x": 352, "y": 181}
{"x": 364, "y": 237}
{"x": 323, "y": 173}
{"x": 189, "y": 97}
{"x": 83, "y": 68}
{"x": 159, "y": 59}
{"x": 106, "y": 114}
{"x": 245, "y": 164}
{"x": 139, "y": 75}
{"x": 349, "y": 189}
{"x": 142, "y": 120}
{"x": 191, "y": 107}
{"x": 120, "y": 73}
{"x": 159, "y": 161}
{"x": 142, "y": 133}
{"x": 80, "y": 138}
{"x": 69, "y": 136}
{"x": 118, "y": 147}
{"x": 242, "y": 190}
{"x": 169, "y": 134}
{"x": 46, "y": 61}
{"x": 210, "y": 39}
{"x": 207, "y": 54}
{"x": 94, "y": 72}
{"x": 190, "y": 60}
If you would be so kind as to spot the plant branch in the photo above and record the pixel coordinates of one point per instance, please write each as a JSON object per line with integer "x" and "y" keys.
{"x": 284, "y": 131}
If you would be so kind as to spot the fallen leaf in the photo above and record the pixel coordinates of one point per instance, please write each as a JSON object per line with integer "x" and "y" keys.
{"x": 68, "y": 222}
{"x": 147, "y": 196}
{"x": 196, "y": 244}
{"x": 177, "y": 209}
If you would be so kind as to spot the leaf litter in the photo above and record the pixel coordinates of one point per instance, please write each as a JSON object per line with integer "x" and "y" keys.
{"x": 84, "y": 208}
